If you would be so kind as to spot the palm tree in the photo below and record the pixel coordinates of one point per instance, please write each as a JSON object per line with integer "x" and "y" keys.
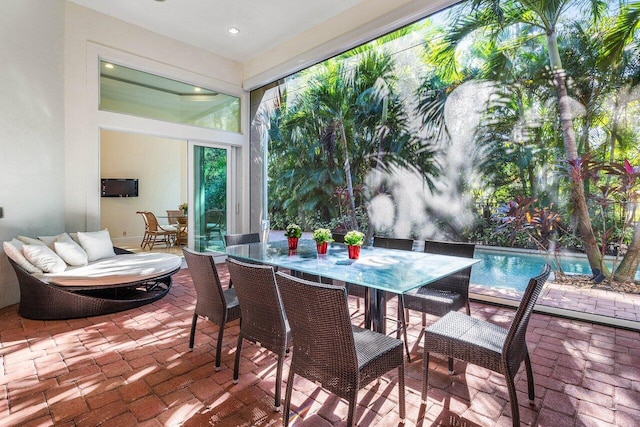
{"x": 515, "y": 24}
{"x": 616, "y": 40}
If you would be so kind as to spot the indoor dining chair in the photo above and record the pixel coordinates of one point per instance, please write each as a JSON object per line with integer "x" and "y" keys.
{"x": 218, "y": 305}
{"x": 328, "y": 350}
{"x": 154, "y": 233}
{"x": 178, "y": 219}
{"x": 263, "y": 320}
{"x": 488, "y": 345}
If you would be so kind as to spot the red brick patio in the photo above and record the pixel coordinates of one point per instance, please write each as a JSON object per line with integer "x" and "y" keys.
{"x": 135, "y": 368}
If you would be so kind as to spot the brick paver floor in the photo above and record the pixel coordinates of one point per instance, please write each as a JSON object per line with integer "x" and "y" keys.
{"x": 135, "y": 368}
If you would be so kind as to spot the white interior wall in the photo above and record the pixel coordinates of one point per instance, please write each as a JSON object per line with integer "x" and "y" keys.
{"x": 31, "y": 118}
{"x": 87, "y": 34}
{"x": 159, "y": 164}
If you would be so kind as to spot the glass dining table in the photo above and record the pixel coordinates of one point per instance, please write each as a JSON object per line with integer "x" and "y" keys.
{"x": 380, "y": 270}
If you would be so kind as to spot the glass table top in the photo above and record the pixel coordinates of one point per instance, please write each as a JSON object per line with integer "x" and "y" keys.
{"x": 379, "y": 268}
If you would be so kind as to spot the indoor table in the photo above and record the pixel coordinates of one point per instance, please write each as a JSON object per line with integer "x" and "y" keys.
{"x": 378, "y": 269}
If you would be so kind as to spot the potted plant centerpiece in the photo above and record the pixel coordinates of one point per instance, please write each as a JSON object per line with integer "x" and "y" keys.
{"x": 354, "y": 239}
{"x": 183, "y": 207}
{"x": 322, "y": 236}
{"x": 293, "y": 233}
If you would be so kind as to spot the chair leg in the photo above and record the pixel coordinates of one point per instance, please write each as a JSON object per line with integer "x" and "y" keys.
{"x": 401, "y": 398}
{"x": 451, "y": 371}
{"x": 515, "y": 412}
{"x": 277, "y": 404}
{"x": 287, "y": 399}
{"x": 236, "y": 366}
{"x": 219, "y": 345}
{"x": 530, "y": 384}
{"x": 193, "y": 331}
{"x": 425, "y": 376}
{"x": 403, "y": 326}
{"x": 351, "y": 417}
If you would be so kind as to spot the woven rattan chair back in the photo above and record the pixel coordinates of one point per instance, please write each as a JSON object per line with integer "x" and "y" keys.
{"x": 482, "y": 343}
{"x": 173, "y": 215}
{"x": 178, "y": 220}
{"x": 393, "y": 243}
{"x": 218, "y": 305}
{"x": 515, "y": 345}
{"x": 457, "y": 282}
{"x": 241, "y": 239}
{"x": 327, "y": 349}
{"x": 152, "y": 221}
{"x": 263, "y": 318}
{"x": 338, "y": 237}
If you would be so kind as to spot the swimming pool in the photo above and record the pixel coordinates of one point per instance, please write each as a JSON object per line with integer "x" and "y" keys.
{"x": 513, "y": 269}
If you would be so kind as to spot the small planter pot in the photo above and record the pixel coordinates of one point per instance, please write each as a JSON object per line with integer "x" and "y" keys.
{"x": 322, "y": 248}
{"x": 293, "y": 243}
{"x": 354, "y": 252}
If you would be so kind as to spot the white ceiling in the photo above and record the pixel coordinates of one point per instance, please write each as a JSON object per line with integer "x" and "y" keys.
{"x": 263, "y": 24}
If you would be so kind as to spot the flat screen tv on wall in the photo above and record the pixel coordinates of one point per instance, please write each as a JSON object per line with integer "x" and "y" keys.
{"x": 119, "y": 187}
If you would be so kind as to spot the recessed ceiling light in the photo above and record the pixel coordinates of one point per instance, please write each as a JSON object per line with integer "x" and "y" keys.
{"x": 107, "y": 65}
{"x": 233, "y": 30}
{"x": 197, "y": 89}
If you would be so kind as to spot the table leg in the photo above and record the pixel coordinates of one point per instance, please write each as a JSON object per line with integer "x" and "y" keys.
{"x": 378, "y": 310}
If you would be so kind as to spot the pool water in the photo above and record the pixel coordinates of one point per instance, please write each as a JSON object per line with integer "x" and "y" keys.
{"x": 514, "y": 269}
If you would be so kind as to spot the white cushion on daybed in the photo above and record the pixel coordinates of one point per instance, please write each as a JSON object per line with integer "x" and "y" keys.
{"x": 71, "y": 253}
{"x": 44, "y": 258}
{"x": 13, "y": 250}
{"x": 97, "y": 244}
{"x": 116, "y": 270}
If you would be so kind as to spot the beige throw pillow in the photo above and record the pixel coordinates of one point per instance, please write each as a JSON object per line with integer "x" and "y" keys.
{"x": 30, "y": 241}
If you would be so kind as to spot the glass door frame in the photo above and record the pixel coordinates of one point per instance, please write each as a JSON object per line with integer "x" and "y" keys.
{"x": 231, "y": 189}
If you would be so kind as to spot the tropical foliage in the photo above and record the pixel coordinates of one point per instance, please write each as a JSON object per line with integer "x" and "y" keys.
{"x": 503, "y": 122}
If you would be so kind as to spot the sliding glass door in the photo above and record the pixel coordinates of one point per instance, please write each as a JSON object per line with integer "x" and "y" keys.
{"x": 210, "y": 197}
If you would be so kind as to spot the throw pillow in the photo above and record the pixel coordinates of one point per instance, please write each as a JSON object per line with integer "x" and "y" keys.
{"x": 64, "y": 237}
{"x": 31, "y": 241}
{"x": 50, "y": 240}
{"x": 13, "y": 250}
{"x": 44, "y": 258}
{"x": 71, "y": 253}
{"x": 97, "y": 244}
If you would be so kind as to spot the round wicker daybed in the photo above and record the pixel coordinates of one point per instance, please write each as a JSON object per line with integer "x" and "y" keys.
{"x": 108, "y": 285}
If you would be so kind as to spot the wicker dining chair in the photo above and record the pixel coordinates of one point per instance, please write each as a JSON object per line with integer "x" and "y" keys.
{"x": 450, "y": 293}
{"x": 218, "y": 305}
{"x": 263, "y": 319}
{"x": 327, "y": 349}
{"x": 154, "y": 233}
{"x": 241, "y": 239}
{"x": 488, "y": 345}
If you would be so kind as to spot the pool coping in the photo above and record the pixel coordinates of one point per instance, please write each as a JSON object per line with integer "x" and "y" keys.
{"x": 599, "y": 306}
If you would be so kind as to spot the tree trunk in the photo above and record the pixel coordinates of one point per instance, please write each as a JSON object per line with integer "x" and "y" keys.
{"x": 626, "y": 271}
{"x": 578, "y": 199}
{"x": 347, "y": 172}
